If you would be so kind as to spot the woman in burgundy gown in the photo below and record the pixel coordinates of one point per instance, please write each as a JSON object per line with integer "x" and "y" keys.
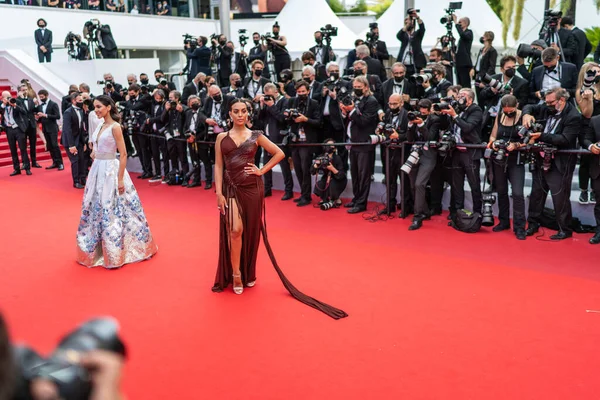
{"x": 240, "y": 198}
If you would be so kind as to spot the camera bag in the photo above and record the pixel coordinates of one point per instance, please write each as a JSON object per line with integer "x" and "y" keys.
{"x": 466, "y": 221}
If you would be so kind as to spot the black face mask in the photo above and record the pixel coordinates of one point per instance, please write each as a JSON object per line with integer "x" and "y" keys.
{"x": 395, "y": 110}
{"x": 222, "y": 42}
{"x": 358, "y": 72}
{"x": 302, "y": 97}
{"x": 358, "y": 92}
{"x": 319, "y": 41}
{"x": 432, "y": 60}
{"x": 196, "y": 106}
{"x": 511, "y": 114}
{"x": 398, "y": 79}
{"x": 552, "y": 110}
{"x": 144, "y": 81}
{"x": 307, "y": 80}
{"x": 330, "y": 150}
{"x": 257, "y": 42}
{"x": 481, "y": 40}
{"x": 237, "y": 84}
{"x": 159, "y": 78}
{"x": 258, "y": 72}
{"x": 79, "y": 104}
{"x": 218, "y": 98}
{"x": 275, "y": 34}
{"x": 42, "y": 26}
{"x": 335, "y": 75}
{"x": 510, "y": 72}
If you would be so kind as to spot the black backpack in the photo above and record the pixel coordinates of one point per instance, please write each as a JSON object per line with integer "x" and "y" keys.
{"x": 466, "y": 221}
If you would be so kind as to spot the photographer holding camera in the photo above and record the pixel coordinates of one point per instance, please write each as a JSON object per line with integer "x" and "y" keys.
{"x": 174, "y": 119}
{"x": 362, "y": 120}
{"x": 506, "y": 82}
{"x": 323, "y": 54}
{"x": 215, "y": 110}
{"x": 592, "y": 143}
{"x": 466, "y": 128}
{"x": 553, "y": 74}
{"x": 102, "y": 35}
{"x": 332, "y": 120}
{"x": 14, "y": 122}
{"x": 258, "y": 52}
{"x": 333, "y": 180}
{"x": 377, "y": 48}
{"x": 533, "y": 54}
{"x": 563, "y": 123}
{"x": 508, "y": 164}
{"x": 435, "y": 85}
{"x": 587, "y": 96}
{"x": 195, "y": 131}
{"x": 158, "y": 145}
{"x": 276, "y": 45}
{"x": 411, "y": 51}
{"x": 464, "y": 64}
{"x": 199, "y": 57}
{"x": 304, "y": 119}
{"x": 137, "y": 108}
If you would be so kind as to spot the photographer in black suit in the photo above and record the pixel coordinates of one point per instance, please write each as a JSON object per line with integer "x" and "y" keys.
{"x": 466, "y": 128}
{"x": 73, "y": 132}
{"x": 333, "y": 180}
{"x": 140, "y": 105}
{"x": 518, "y": 87}
{"x": 436, "y": 88}
{"x": 377, "y": 48}
{"x": 277, "y": 45}
{"x": 14, "y": 123}
{"x": 195, "y": 131}
{"x": 43, "y": 40}
{"x": 411, "y": 51}
{"x": 173, "y": 119}
{"x": 303, "y": 129}
{"x": 463, "y": 61}
{"x": 333, "y": 122}
{"x": 48, "y": 114}
{"x": 272, "y": 106}
{"x": 323, "y": 55}
{"x": 102, "y": 35}
{"x": 235, "y": 88}
{"x": 399, "y": 84}
{"x": 584, "y": 47}
{"x": 158, "y": 145}
{"x": 361, "y": 116}
{"x": 374, "y": 66}
{"x": 315, "y": 89}
{"x": 29, "y": 105}
{"x": 215, "y": 110}
{"x": 194, "y": 88}
{"x": 199, "y": 57}
{"x": 563, "y": 123}
{"x": 553, "y": 74}
{"x": 258, "y": 52}
{"x": 592, "y": 143}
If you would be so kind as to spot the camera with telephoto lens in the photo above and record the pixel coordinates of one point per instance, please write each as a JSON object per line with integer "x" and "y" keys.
{"x": 413, "y": 158}
{"x": 322, "y": 162}
{"x": 446, "y": 104}
{"x": 546, "y": 152}
{"x": 385, "y": 129}
{"x": 267, "y": 36}
{"x": 328, "y": 32}
{"x": 62, "y": 367}
{"x": 107, "y": 85}
{"x": 419, "y": 79}
{"x": 489, "y": 81}
{"x": 412, "y": 115}
{"x": 525, "y": 133}
{"x": 344, "y": 96}
{"x": 500, "y": 151}
{"x": 589, "y": 80}
{"x": 243, "y": 38}
{"x": 488, "y": 213}
{"x": 191, "y": 40}
{"x": 445, "y": 145}
{"x": 292, "y": 114}
{"x": 526, "y": 51}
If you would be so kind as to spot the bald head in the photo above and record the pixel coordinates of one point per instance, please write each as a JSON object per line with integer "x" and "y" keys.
{"x": 6, "y": 94}
{"x": 214, "y": 90}
{"x": 396, "y": 98}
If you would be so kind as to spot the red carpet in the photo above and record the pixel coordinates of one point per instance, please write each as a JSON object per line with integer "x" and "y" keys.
{"x": 434, "y": 314}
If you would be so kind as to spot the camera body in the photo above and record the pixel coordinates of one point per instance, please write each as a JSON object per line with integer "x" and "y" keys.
{"x": 243, "y": 38}
{"x": 445, "y": 145}
{"x": 344, "y": 96}
{"x": 191, "y": 40}
{"x": 448, "y": 18}
{"x": 546, "y": 152}
{"x": 445, "y": 105}
{"x": 267, "y": 36}
{"x": 292, "y": 114}
{"x": 322, "y": 162}
{"x": 525, "y": 133}
{"x": 328, "y": 32}
{"x": 385, "y": 129}
{"x": 500, "y": 151}
{"x": 551, "y": 18}
{"x": 412, "y": 115}
{"x": 526, "y": 51}
{"x": 490, "y": 82}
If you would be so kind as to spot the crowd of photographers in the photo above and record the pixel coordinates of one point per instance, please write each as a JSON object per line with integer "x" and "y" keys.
{"x": 440, "y": 107}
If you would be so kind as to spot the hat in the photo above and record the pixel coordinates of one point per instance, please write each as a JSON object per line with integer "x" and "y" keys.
{"x": 540, "y": 43}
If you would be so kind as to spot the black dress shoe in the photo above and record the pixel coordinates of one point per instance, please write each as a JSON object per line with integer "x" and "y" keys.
{"x": 61, "y": 167}
{"x": 28, "y": 171}
{"x": 16, "y": 172}
{"x": 349, "y": 205}
{"x": 596, "y": 238}
{"x": 36, "y": 165}
{"x": 303, "y": 202}
{"x": 185, "y": 184}
{"x": 208, "y": 186}
{"x": 193, "y": 185}
{"x": 268, "y": 193}
{"x": 78, "y": 186}
{"x": 356, "y": 210}
{"x": 52, "y": 166}
{"x": 416, "y": 224}
{"x": 561, "y": 236}
{"x": 501, "y": 227}
{"x": 287, "y": 196}
{"x": 532, "y": 229}
{"x": 520, "y": 234}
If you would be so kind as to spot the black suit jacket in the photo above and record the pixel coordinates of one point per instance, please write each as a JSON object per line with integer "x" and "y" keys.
{"x": 335, "y": 115}
{"x": 488, "y": 61}
{"x": 274, "y": 120}
{"x": 107, "y": 38}
{"x": 375, "y": 67}
{"x": 415, "y": 41}
{"x": 312, "y": 112}
{"x": 430, "y": 131}
{"x": 583, "y": 44}
{"x": 49, "y": 124}
{"x": 470, "y": 124}
{"x": 328, "y": 55}
{"x": 409, "y": 88}
{"x": 592, "y": 135}
{"x": 316, "y": 92}
{"x": 19, "y": 115}
{"x": 200, "y": 126}
{"x": 382, "y": 51}
{"x": 258, "y": 53}
{"x": 520, "y": 89}
{"x": 45, "y": 40}
{"x": 30, "y": 110}
{"x": 438, "y": 91}
{"x": 363, "y": 122}
{"x": 352, "y": 57}
{"x": 224, "y": 112}
{"x": 262, "y": 82}
{"x": 189, "y": 90}
{"x": 463, "y": 52}
{"x": 401, "y": 125}
{"x": 569, "y": 45}
{"x": 238, "y": 92}
{"x": 568, "y": 78}
{"x": 565, "y": 135}
{"x": 72, "y": 130}
{"x": 199, "y": 61}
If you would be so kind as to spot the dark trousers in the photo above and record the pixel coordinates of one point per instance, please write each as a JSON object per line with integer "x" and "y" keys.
{"x": 258, "y": 156}
{"x": 44, "y": 56}
{"x": 442, "y": 173}
{"x": 164, "y": 151}
{"x": 466, "y": 164}
{"x": 331, "y": 191}
{"x": 504, "y": 172}
{"x": 559, "y": 184}
{"x": 53, "y": 149}
{"x": 109, "y": 53}
{"x": 155, "y": 150}
{"x": 286, "y": 171}
{"x": 419, "y": 177}
{"x": 395, "y": 173}
{"x": 31, "y": 135}
{"x": 78, "y": 167}
{"x": 360, "y": 170}
{"x": 584, "y": 171}
{"x": 596, "y": 189}
{"x": 303, "y": 157}
{"x": 280, "y": 63}
{"x": 142, "y": 147}
{"x": 178, "y": 155}
{"x": 16, "y": 136}
{"x": 199, "y": 154}
{"x": 463, "y": 76}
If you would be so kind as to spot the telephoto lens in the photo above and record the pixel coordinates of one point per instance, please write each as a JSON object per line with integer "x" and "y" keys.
{"x": 488, "y": 212}
{"x": 413, "y": 159}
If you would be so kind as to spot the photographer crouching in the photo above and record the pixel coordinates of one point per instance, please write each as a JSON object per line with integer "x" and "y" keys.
{"x": 552, "y": 171}
{"x": 333, "y": 180}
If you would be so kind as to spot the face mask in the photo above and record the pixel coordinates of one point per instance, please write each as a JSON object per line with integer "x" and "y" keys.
{"x": 144, "y": 81}
{"x": 319, "y": 41}
{"x": 551, "y": 109}
{"x": 481, "y": 40}
{"x": 218, "y": 98}
{"x": 398, "y": 79}
{"x": 79, "y": 104}
{"x": 222, "y": 42}
{"x": 358, "y": 72}
{"x": 358, "y": 92}
{"x": 307, "y": 65}
{"x": 510, "y": 72}
{"x": 335, "y": 75}
{"x": 432, "y": 60}
{"x": 196, "y": 106}
{"x": 395, "y": 110}
{"x": 130, "y": 83}
{"x": 511, "y": 114}
{"x": 275, "y": 34}
{"x": 42, "y": 26}
{"x": 330, "y": 150}
{"x": 302, "y": 97}
{"x": 258, "y": 72}
{"x": 237, "y": 84}
{"x": 307, "y": 80}
{"x": 257, "y": 42}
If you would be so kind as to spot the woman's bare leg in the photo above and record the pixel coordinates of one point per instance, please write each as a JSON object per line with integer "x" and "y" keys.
{"x": 236, "y": 228}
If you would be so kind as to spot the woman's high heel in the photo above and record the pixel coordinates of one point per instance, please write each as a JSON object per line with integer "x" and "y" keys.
{"x": 237, "y": 289}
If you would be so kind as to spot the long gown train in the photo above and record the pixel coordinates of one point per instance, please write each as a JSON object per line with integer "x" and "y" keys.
{"x": 248, "y": 193}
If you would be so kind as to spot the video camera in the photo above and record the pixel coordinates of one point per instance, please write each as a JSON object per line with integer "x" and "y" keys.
{"x": 589, "y": 80}
{"x": 328, "y": 32}
{"x": 191, "y": 40}
{"x": 62, "y": 367}
{"x": 243, "y": 38}
{"x": 551, "y": 18}
{"x": 372, "y": 37}
{"x": 90, "y": 28}
{"x": 448, "y": 18}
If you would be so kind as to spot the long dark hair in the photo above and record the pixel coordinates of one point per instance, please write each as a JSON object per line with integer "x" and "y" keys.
{"x": 7, "y": 373}
{"x": 249, "y": 107}
{"x": 108, "y": 101}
